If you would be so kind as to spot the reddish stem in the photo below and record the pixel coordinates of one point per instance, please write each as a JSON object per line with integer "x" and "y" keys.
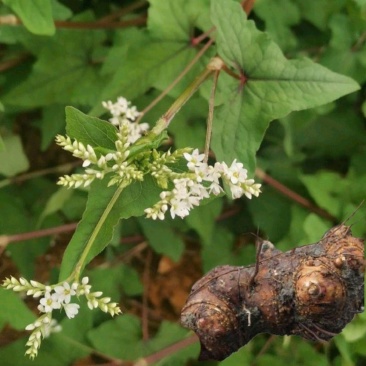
{"x": 293, "y": 195}
{"x": 8, "y": 64}
{"x": 145, "y": 315}
{"x": 100, "y": 25}
{"x": 174, "y": 348}
{"x": 248, "y": 5}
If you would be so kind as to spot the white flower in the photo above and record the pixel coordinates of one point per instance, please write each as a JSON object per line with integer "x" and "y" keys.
{"x": 52, "y": 327}
{"x": 49, "y": 302}
{"x": 118, "y": 108}
{"x": 71, "y": 310}
{"x": 236, "y": 173}
{"x": 64, "y": 292}
{"x": 132, "y": 113}
{"x": 179, "y": 208}
{"x": 194, "y": 159}
{"x": 236, "y": 191}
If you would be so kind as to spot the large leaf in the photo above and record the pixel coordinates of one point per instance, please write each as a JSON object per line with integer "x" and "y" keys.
{"x": 12, "y": 157}
{"x": 278, "y": 22}
{"x": 120, "y": 338}
{"x": 162, "y": 238}
{"x": 155, "y": 58}
{"x": 137, "y": 72}
{"x": 14, "y": 311}
{"x": 101, "y": 216}
{"x": 36, "y": 15}
{"x": 63, "y": 73}
{"x": 270, "y": 86}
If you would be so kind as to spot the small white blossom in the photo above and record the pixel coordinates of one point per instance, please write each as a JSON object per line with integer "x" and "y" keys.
{"x": 57, "y": 296}
{"x": 194, "y": 159}
{"x": 49, "y": 302}
{"x": 236, "y": 173}
{"x": 71, "y": 310}
{"x": 64, "y": 292}
{"x": 52, "y": 327}
{"x": 203, "y": 180}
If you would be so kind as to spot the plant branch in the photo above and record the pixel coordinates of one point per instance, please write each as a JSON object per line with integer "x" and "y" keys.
{"x": 119, "y": 13}
{"x": 145, "y": 315}
{"x": 8, "y": 64}
{"x": 176, "y": 81}
{"x": 215, "y": 64}
{"x": 60, "y": 169}
{"x": 38, "y": 233}
{"x": 68, "y": 24}
{"x": 293, "y": 195}
{"x": 211, "y": 107}
{"x": 174, "y": 348}
{"x": 248, "y": 5}
{"x": 89, "y": 244}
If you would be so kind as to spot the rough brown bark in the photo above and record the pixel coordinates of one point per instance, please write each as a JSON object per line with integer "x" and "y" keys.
{"x": 311, "y": 291}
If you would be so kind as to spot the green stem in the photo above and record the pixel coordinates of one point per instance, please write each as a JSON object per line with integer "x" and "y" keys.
{"x": 163, "y": 122}
{"x": 80, "y": 265}
{"x": 210, "y": 115}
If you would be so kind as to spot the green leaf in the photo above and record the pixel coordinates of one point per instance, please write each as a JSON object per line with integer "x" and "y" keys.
{"x": 166, "y": 20}
{"x": 120, "y": 338}
{"x": 14, "y": 311}
{"x": 2, "y": 145}
{"x": 242, "y": 357}
{"x": 363, "y": 108}
{"x": 36, "y": 15}
{"x": 18, "y": 217}
{"x": 63, "y": 72}
{"x": 271, "y": 205}
{"x": 274, "y": 86}
{"x": 13, "y": 160}
{"x": 345, "y": 53}
{"x": 306, "y": 131}
{"x": 324, "y": 187}
{"x": 101, "y": 216}
{"x": 278, "y": 22}
{"x": 202, "y": 219}
{"x": 145, "y": 63}
{"x": 51, "y": 124}
{"x": 355, "y": 330}
{"x": 315, "y": 227}
{"x": 155, "y": 58}
{"x": 345, "y": 351}
{"x": 90, "y": 130}
{"x": 162, "y": 238}
{"x": 220, "y": 250}
{"x": 189, "y": 125}
{"x": 111, "y": 280}
{"x": 168, "y": 334}
{"x": 318, "y": 12}
{"x": 55, "y": 203}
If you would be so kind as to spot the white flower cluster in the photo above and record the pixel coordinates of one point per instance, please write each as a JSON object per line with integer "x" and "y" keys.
{"x": 204, "y": 180}
{"x": 201, "y": 180}
{"x": 122, "y": 112}
{"x": 57, "y": 297}
{"x": 98, "y": 167}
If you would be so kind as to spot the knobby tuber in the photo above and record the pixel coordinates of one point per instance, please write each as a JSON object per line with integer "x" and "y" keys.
{"x": 311, "y": 291}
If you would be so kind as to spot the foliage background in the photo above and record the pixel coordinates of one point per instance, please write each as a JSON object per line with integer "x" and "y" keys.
{"x": 94, "y": 52}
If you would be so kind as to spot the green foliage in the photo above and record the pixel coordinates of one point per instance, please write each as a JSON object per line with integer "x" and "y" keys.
{"x": 292, "y": 103}
{"x": 270, "y": 85}
{"x": 36, "y": 15}
{"x": 12, "y": 156}
{"x": 104, "y": 208}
